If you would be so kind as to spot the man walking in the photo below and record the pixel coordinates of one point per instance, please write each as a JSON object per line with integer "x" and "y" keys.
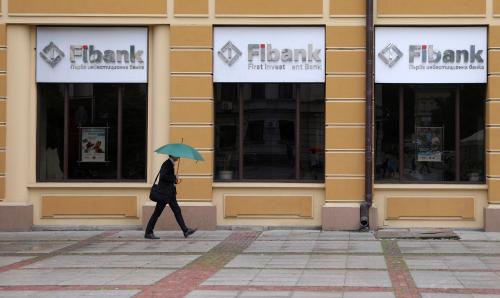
{"x": 167, "y": 182}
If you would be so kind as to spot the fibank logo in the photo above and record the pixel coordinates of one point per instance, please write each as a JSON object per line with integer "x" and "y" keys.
{"x": 422, "y": 54}
{"x": 86, "y": 54}
{"x": 52, "y": 54}
{"x": 427, "y": 53}
{"x": 390, "y": 55}
{"x": 267, "y": 53}
{"x": 229, "y": 53}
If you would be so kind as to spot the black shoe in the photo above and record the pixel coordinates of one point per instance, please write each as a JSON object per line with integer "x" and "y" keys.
{"x": 189, "y": 232}
{"x": 151, "y": 236}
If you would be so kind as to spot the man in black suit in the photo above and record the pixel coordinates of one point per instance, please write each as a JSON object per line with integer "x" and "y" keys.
{"x": 167, "y": 182}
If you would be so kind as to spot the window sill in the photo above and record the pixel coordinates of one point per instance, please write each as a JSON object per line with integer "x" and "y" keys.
{"x": 430, "y": 186}
{"x": 267, "y": 185}
{"x": 91, "y": 185}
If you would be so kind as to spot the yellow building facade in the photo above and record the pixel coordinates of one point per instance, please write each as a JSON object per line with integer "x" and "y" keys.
{"x": 181, "y": 107}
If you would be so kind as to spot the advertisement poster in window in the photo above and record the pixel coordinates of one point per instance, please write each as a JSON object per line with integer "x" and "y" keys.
{"x": 93, "y": 144}
{"x": 429, "y": 142}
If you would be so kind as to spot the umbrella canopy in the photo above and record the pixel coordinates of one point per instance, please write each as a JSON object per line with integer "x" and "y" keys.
{"x": 180, "y": 150}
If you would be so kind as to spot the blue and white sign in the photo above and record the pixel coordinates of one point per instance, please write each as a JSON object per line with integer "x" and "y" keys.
{"x": 269, "y": 54}
{"x": 431, "y": 54}
{"x": 92, "y": 55}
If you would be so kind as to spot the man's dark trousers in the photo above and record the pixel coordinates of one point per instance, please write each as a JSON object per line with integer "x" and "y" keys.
{"x": 160, "y": 205}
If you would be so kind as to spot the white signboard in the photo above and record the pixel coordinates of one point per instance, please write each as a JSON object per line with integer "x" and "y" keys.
{"x": 92, "y": 55}
{"x": 269, "y": 54}
{"x": 431, "y": 55}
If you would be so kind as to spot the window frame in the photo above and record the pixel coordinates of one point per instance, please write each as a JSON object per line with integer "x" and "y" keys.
{"x": 119, "y": 153}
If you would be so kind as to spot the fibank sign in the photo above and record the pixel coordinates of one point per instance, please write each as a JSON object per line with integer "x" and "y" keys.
{"x": 89, "y": 54}
{"x": 431, "y": 55}
{"x": 269, "y": 54}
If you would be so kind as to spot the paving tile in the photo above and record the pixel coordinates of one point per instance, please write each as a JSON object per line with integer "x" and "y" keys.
{"x": 445, "y": 262}
{"x": 408, "y": 247}
{"x": 264, "y": 294}
{"x": 493, "y": 236}
{"x": 148, "y": 247}
{"x": 363, "y": 278}
{"x": 171, "y": 235}
{"x": 366, "y": 262}
{"x": 436, "y": 295}
{"x": 482, "y": 247}
{"x": 82, "y": 277}
{"x": 232, "y": 277}
{"x": 249, "y": 261}
{"x": 435, "y": 279}
{"x": 4, "y": 261}
{"x": 365, "y": 247}
{"x": 327, "y": 262}
{"x": 362, "y": 236}
{"x": 492, "y": 263}
{"x": 275, "y": 277}
{"x": 334, "y": 278}
{"x": 479, "y": 280}
{"x": 48, "y": 235}
{"x": 33, "y": 247}
{"x": 115, "y": 261}
{"x": 334, "y": 235}
{"x": 213, "y": 294}
{"x": 67, "y": 294}
{"x": 472, "y": 235}
{"x": 317, "y": 295}
{"x": 368, "y": 294}
{"x": 331, "y": 246}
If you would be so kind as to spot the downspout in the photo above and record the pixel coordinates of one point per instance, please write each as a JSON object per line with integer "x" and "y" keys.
{"x": 365, "y": 206}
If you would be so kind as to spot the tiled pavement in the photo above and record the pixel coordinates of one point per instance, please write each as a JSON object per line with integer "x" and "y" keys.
{"x": 288, "y": 263}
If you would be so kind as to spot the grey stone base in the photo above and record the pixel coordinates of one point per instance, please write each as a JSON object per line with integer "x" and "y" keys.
{"x": 16, "y": 218}
{"x": 201, "y": 217}
{"x": 492, "y": 219}
{"x": 345, "y": 217}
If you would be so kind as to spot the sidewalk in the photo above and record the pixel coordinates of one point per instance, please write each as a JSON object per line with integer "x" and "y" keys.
{"x": 288, "y": 263}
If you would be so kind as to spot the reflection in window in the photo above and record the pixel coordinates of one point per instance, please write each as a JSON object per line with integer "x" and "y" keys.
{"x": 92, "y": 132}
{"x": 276, "y": 121}
{"x": 432, "y": 133}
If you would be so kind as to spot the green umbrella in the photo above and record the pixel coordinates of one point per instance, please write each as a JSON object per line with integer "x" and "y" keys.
{"x": 180, "y": 150}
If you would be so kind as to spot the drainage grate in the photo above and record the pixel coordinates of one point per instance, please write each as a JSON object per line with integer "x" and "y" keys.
{"x": 423, "y": 234}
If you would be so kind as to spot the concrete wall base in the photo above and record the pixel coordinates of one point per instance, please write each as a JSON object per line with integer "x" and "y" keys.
{"x": 492, "y": 218}
{"x": 16, "y": 218}
{"x": 345, "y": 217}
{"x": 203, "y": 217}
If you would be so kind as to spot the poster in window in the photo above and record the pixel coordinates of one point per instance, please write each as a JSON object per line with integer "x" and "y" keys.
{"x": 93, "y": 144}
{"x": 429, "y": 142}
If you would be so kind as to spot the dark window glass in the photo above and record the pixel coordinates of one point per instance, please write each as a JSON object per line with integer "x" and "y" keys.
{"x": 429, "y": 135}
{"x": 269, "y": 132}
{"x": 442, "y": 128}
{"x": 51, "y": 132}
{"x": 387, "y": 137}
{"x": 472, "y": 133}
{"x": 282, "y": 129}
{"x": 101, "y": 132}
{"x": 312, "y": 132}
{"x": 227, "y": 131}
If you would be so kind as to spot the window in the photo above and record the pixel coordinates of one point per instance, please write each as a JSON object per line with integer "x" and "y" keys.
{"x": 269, "y": 132}
{"x": 92, "y": 132}
{"x": 430, "y": 133}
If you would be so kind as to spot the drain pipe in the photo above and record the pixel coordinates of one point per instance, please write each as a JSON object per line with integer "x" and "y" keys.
{"x": 365, "y": 206}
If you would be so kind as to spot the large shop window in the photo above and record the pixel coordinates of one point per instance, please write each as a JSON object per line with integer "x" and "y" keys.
{"x": 92, "y": 132}
{"x": 430, "y": 133}
{"x": 269, "y": 132}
